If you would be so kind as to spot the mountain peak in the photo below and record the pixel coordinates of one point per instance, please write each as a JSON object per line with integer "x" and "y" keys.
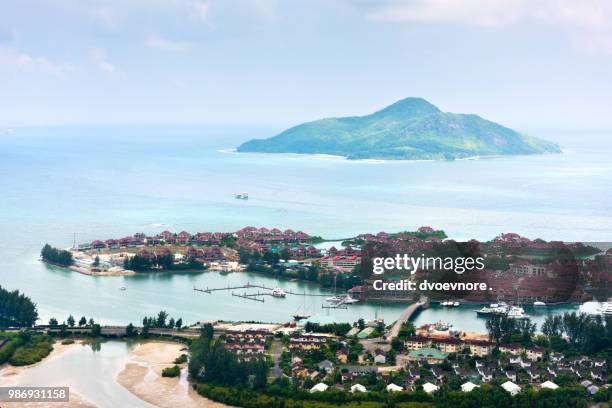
{"x": 409, "y": 106}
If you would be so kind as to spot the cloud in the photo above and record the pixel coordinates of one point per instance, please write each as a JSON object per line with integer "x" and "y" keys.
{"x": 198, "y": 10}
{"x": 14, "y": 58}
{"x": 588, "y": 23}
{"x": 157, "y": 42}
{"x": 98, "y": 57}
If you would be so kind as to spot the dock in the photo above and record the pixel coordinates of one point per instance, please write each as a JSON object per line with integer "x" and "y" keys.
{"x": 255, "y": 286}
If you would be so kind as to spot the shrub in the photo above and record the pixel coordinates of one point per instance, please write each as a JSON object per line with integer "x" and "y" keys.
{"x": 181, "y": 359}
{"x": 174, "y": 371}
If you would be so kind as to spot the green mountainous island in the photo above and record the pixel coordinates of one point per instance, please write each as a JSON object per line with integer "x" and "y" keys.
{"x": 411, "y": 128}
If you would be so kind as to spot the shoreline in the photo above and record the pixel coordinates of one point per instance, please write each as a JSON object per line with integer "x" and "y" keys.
{"x": 141, "y": 376}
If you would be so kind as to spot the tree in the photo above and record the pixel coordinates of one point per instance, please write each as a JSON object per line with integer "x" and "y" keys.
{"x": 161, "y": 319}
{"x": 53, "y": 321}
{"x": 82, "y": 321}
{"x": 70, "y": 321}
{"x": 91, "y": 321}
{"x": 179, "y": 323}
{"x": 130, "y": 331}
{"x": 96, "y": 330}
{"x": 96, "y": 261}
{"x": 16, "y": 309}
{"x": 171, "y": 323}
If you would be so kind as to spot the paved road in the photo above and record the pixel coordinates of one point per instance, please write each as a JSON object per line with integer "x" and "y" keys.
{"x": 277, "y": 347}
{"x": 403, "y": 318}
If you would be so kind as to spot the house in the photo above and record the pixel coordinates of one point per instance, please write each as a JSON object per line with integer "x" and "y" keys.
{"x": 479, "y": 348}
{"x": 550, "y": 385}
{"x": 556, "y": 357}
{"x": 449, "y": 345}
{"x": 593, "y": 389}
{"x": 356, "y": 371}
{"x": 417, "y": 342}
{"x": 394, "y": 388}
{"x": 511, "y": 388}
{"x": 437, "y": 372}
{"x": 597, "y": 374}
{"x": 535, "y": 353}
{"x": 430, "y": 388}
{"x": 468, "y": 386}
{"x": 430, "y": 355}
{"x": 326, "y": 366}
{"x": 586, "y": 383}
{"x": 358, "y": 388}
{"x": 320, "y": 387}
{"x": 510, "y": 374}
{"x": 513, "y": 349}
{"x": 380, "y": 358}
{"x": 533, "y": 374}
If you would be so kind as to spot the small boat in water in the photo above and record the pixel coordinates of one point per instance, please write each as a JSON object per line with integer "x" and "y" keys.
{"x": 278, "y": 292}
{"x": 537, "y": 303}
{"x": 348, "y": 299}
{"x": 516, "y": 312}
{"x": 298, "y": 317}
{"x": 122, "y": 288}
{"x": 241, "y": 196}
{"x": 334, "y": 299}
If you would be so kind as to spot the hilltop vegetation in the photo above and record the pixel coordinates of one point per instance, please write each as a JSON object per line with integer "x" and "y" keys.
{"x": 408, "y": 129}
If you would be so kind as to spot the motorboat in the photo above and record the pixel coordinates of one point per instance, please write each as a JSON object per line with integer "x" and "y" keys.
{"x": 516, "y": 312}
{"x": 278, "y": 292}
{"x": 606, "y": 309}
{"x": 334, "y": 299}
{"x": 348, "y": 299}
{"x": 241, "y": 196}
{"x": 122, "y": 288}
{"x": 456, "y": 304}
{"x": 493, "y": 309}
{"x": 537, "y": 303}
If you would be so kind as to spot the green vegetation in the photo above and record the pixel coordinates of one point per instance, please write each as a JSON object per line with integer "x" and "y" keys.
{"x": 583, "y": 334}
{"x": 24, "y": 348}
{"x": 213, "y": 364}
{"x": 173, "y": 371}
{"x": 411, "y": 128}
{"x": 182, "y": 359}
{"x": 66, "y": 342}
{"x": 140, "y": 263}
{"x": 16, "y": 309}
{"x": 56, "y": 256}
{"x": 161, "y": 321}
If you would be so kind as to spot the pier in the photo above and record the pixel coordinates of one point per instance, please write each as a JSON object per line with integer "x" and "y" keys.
{"x": 254, "y": 286}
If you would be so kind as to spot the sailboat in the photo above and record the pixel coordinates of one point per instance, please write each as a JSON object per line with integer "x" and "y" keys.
{"x": 297, "y": 316}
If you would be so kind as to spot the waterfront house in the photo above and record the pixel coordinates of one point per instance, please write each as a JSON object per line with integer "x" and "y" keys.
{"x": 449, "y": 345}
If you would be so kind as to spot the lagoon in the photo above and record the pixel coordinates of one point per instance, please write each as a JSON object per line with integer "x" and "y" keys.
{"x": 84, "y": 183}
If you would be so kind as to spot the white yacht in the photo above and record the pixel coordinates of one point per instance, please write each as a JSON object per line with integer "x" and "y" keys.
{"x": 348, "y": 300}
{"x": 334, "y": 299}
{"x": 606, "y": 309}
{"x": 516, "y": 312}
{"x": 278, "y": 292}
{"x": 537, "y": 303}
{"x": 241, "y": 196}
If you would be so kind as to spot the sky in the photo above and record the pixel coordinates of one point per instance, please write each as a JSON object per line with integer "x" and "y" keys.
{"x": 522, "y": 63}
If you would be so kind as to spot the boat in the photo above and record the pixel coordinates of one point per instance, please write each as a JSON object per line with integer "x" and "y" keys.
{"x": 516, "y": 312}
{"x": 241, "y": 196}
{"x": 493, "y": 309}
{"x": 456, "y": 304}
{"x": 122, "y": 288}
{"x": 606, "y": 309}
{"x": 298, "y": 317}
{"x": 334, "y": 299}
{"x": 348, "y": 299}
{"x": 278, "y": 292}
{"x": 537, "y": 303}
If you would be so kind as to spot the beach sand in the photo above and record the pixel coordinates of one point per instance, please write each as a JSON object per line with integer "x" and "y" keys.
{"x": 9, "y": 376}
{"x": 142, "y": 377}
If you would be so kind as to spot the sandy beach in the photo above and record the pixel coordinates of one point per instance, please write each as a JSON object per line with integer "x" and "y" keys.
{"x": 10, "y": 376}
{"x": 142, "y": 377}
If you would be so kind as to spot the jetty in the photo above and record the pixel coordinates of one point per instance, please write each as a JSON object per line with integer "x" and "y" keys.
{"x": 254, "y": 286}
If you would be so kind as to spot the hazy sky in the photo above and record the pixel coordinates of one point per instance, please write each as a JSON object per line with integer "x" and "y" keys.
{"x": 518, "y": 62}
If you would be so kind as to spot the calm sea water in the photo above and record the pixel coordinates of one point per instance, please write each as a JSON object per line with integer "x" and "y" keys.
{"x": 102, "y": 182}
